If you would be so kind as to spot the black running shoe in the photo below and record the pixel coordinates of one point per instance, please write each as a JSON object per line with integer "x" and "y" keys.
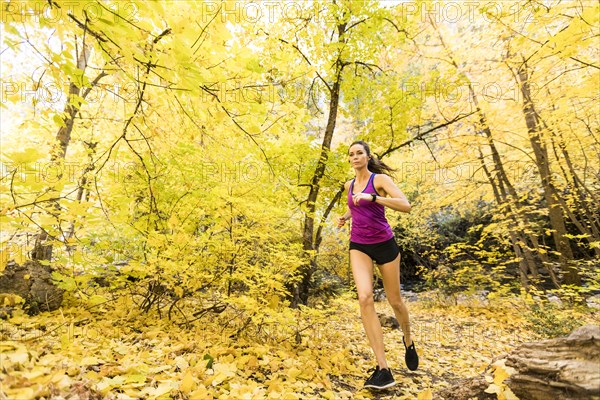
{"x": 411, "y": 357}
{"x": 380, "y": 379}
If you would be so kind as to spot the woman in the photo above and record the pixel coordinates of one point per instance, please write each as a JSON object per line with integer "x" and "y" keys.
{"x": 372, "y": 239}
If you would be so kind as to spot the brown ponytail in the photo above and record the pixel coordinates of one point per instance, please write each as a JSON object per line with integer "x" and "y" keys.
{"x": 375, "y": 165}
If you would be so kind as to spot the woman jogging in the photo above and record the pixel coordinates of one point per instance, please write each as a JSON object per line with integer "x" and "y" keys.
{"x": 372, "y": 239}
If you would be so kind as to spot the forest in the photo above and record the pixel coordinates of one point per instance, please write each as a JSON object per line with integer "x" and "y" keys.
{"x": 171, "y": 172}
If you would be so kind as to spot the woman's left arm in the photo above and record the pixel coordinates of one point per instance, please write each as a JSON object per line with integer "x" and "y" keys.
{"x": 397, "y": 200}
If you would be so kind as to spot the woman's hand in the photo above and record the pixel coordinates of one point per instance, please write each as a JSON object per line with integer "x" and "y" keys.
{"x": 341, "y": 221}
{"x": 361, "y": 196}
{"x": 397, "y": 200}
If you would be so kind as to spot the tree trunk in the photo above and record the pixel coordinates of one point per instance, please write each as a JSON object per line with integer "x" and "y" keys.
{"x": 540, "y": 151}
{"x": 508, "y": 195}
{"x": 83, "y": 184}
{"x": 581, "y": 194}
{"x": 308, "y": 235}
{"x": 501, "y": 185}
{"x": 42, "y": 249}
{"x": 512, "y": 235}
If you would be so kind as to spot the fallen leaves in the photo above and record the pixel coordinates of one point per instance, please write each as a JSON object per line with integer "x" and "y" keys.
{"x": 497, "y": 385}
{"x": 142, "y": 356}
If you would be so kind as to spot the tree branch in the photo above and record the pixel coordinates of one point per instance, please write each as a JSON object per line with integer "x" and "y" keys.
{"x": 422, "y": 135}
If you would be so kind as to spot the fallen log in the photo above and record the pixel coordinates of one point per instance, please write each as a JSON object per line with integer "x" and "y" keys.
{"x": 566, "y": 368}
{"x": 563, "y": 368}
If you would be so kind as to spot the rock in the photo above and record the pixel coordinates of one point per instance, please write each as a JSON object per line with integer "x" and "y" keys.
{"x": 593, "y": 302}
{"x": 555, "y": 300}
{"x": 388, "y": 322}
{"x": 466, "y": 389}
{"x": 409, "y": 296}
{"x": 379, "y": 295}
{"x": 33, "y": 282}
{"x": 6, "y": 312}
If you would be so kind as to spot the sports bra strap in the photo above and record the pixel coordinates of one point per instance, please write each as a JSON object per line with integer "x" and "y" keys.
{"x": 371, "y": 181}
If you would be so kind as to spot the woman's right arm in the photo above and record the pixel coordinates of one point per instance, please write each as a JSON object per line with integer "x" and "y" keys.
{"x": 342, "y": 220}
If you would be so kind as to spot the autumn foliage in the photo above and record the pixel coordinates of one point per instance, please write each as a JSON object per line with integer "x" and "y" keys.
{"x": 177, "y": 166}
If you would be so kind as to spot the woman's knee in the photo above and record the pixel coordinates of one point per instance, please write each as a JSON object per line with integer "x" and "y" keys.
{"x": 366, "y": 299}
{"x": 396, "y": 303}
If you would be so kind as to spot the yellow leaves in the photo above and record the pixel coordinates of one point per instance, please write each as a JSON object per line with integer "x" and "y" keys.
{"x": 161, "y": 360}
{"x": 275, "y": 389}
{"x": 254, "y": 65}
{"x": 201, "y": 393}
{"x": 90, "y": 360}
{"x": 77, "y": 209}
{"x": 47, "y": 220}
{"x": 293, "y": 373}
{"x": 25, "y": 381}
{"x": 25, "y": 156}
{"x": 181, "y": 363}
{"x": 493, "y": 388}
{"x": 503, "y": 392}
{"x": 344, "y": 394}
{"x": 500, "y": 375}
{"x": 222, "y": 372}
{"x": 8, "y": 346}
{"x": 96, "y": 299}
{"x": 152, "y": 333}
{"x": 160, "y": 390}
{"x": 4, "y": 258}
{"x": 21, "y": 393}
{"x": 307, "y": 373}
{"x": 273, "y": 302}
{"x": 187, "y": 383}
{"x": 137, "y": 379}
{"x": 11, "y": 299}
{"x": 65, "y": 338}
{"x": 329, "y": 395}
{"x": 17, "y": 356}
{"x": 59, "y": 120}
{"x": 60, "y": 380}
{"x": 106, "y": 383}
{"x": 247, "y": 362}
{"x": 590, "y": 15}
{"x": 497, "y": 385}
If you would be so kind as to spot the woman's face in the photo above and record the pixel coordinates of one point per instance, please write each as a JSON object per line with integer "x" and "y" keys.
{"x": 358, "y": 156}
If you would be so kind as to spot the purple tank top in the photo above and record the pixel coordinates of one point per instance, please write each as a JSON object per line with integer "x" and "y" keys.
{"x": 369, "y": 224}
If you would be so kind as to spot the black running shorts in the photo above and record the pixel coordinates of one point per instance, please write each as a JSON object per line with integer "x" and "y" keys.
{"x": 381, "y": 253}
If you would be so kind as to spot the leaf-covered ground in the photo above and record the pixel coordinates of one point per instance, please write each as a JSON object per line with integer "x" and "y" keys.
{"x": 112, "y": 351}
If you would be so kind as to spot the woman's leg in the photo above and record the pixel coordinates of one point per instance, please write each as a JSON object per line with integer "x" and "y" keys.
{"x": 390, "y": 272}
{"x": 362, "y": 270}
